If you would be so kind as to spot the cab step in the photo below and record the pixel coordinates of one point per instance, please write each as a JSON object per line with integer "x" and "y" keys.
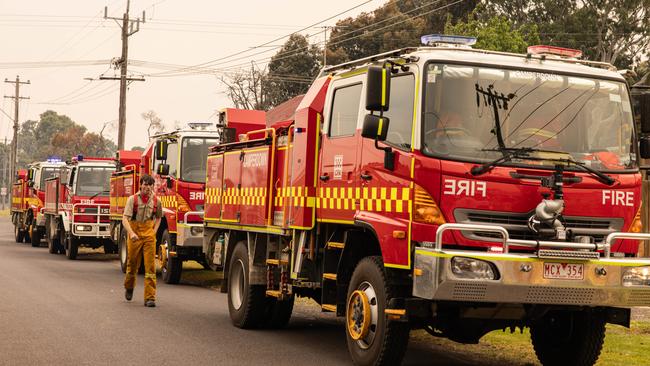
{"x": 276, "y": 262}
{"x": 329, "y": 276}
{"x": 335, "y": 245}
{"x": 274, "y": 293}
{"x": 328, "y": 307}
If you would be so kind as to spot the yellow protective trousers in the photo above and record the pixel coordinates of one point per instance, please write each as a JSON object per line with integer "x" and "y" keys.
{"x": 143, "y": 247}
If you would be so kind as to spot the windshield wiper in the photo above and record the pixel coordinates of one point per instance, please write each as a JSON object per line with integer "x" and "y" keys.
{"x": 508, "y": 154}
{"x": 524, "y": 152}
{"x": 98, "y": 193}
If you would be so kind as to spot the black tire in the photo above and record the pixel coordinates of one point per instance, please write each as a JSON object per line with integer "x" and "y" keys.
{"x": 247, "y": 304}
{"x": 109, "y": 246}
{"x": 279, "y": 312}
{"x": 172, "y": 268}
{"x": 71, "y": 246}
{"x": 123, "y": 250}
{"x": 35, "y": 235}
{"x": 18, "y": 233}
{"x": 384, "y": 342}
{"x": 569, "y": 338}
{"x": 52, "y": 242}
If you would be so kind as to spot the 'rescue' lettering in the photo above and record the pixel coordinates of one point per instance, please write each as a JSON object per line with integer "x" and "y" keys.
{"x": 618, "y": 198}
{"x": 469, "y": 188}
{"x": 254, "y": 160}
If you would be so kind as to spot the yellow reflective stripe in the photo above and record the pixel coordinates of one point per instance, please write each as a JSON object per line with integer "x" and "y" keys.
{"x": 381, "y": 123}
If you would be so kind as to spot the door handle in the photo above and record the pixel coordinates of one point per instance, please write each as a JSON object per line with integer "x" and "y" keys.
{"x": 324, "y": 178}
{"x": 366, "y": 176}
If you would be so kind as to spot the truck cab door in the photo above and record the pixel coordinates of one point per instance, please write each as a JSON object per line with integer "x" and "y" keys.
{"x": 338, "y": 175}
{"x": 385, "y": 200}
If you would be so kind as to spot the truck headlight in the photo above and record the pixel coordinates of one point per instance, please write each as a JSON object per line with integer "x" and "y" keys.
{"x": 84, "y": 228}
{"x": 473, "y": 269}
{"x": 196, "y": 230}
{"x": 636, "y": 276}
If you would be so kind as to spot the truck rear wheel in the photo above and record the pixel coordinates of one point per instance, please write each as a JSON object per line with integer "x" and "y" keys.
{"x": 568, "y": 338}
{"x": 35, "y": 235}
{"x": 171, "y": 267}
{"x": 372, "y": 339}
{"x": 71, "y": 246}
{"x": 246, "y": 303}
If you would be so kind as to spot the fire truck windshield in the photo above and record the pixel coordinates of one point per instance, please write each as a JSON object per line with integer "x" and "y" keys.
{"x": 93, "y": 181}
{"x": 47, "y": 173}
{"x": 589, "y": 119}
{"x": 194, "y": 153}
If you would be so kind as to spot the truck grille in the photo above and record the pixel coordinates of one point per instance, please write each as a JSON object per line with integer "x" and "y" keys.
{"x": 517, "y": 224}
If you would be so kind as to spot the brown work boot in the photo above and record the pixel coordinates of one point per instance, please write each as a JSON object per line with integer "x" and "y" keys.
{"x": 128, "y": 294}
{"x": 150, "y": 303}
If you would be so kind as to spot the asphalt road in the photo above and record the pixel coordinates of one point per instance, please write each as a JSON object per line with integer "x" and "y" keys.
{"x": 54, "y": 311}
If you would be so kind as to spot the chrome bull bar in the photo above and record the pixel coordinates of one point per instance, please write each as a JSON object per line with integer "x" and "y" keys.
{"x": 96, "y": 228}
{"x": 541, "y": 244}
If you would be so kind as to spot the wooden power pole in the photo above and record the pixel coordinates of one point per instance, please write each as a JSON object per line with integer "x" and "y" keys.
{"x": 129, "y": 27}
{"x": 14, "y": 141}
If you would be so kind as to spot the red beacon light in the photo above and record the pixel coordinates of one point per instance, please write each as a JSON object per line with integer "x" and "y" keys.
{"x": 554, "y": 51}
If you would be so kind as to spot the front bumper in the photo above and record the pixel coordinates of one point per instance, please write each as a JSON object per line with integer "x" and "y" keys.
{"x": 190, "y": 234}
{"x": 521, "y": 278}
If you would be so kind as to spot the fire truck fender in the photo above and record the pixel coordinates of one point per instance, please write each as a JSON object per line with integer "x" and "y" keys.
{"x": 364, "y": 233}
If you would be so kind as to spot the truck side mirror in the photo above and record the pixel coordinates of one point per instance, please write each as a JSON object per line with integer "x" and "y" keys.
{"x": 644, "y": 147}
{"x": 644, "y": 112}
{"x": 30, "y": 174}
{"x": 163, "y": 170}
{"x": 161, "y": 149}
{"x": 377, "y": 88}
{"x": 375, "y": 127}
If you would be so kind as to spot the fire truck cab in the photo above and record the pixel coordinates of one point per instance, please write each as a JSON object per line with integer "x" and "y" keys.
{"x": 77, "y": 206}
{"x": 445, "y": 188}
{"x": 19, "y": 206}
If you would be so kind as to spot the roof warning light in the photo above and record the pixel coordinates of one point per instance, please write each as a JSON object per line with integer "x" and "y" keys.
{"x": 554, "y": 50}
{"x": 435, "y": 39}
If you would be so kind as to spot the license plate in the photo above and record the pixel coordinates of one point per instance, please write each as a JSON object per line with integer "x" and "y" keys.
{"x": 564, "y": 271}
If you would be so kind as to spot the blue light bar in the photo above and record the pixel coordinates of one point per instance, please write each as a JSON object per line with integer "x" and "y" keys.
{"x": 80, "y": 157}
{"x": 431, "y": 39}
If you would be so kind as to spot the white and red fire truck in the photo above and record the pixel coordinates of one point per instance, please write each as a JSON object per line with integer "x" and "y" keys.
{"x": 446, "y": 188}
{"x": 77, "y": 206}
{"x": 177, "y": 161}
{"x": 31, "y": 218}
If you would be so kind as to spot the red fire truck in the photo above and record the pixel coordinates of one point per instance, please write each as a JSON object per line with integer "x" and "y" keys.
{"x": 77, "y": 207}
{"x": 177, "y": 161}
{"x": 32, "y": 216}
{"x": 445, "y": 188}
{"x": 19, "y": 206}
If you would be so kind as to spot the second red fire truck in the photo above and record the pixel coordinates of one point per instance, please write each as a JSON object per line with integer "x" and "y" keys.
{"x": 444, "y": 188}
{"x": 77, "y": 207}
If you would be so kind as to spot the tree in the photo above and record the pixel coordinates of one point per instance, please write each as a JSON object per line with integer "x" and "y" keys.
{"x": 291, "y": 70}
{"x": 244, "y": 88}
{"x": 391, "y": 26}
{"x": 496, "y": 34}
{"x": 57, "y": 135}
{"x": 155, "y": 123}
{"x": 612, "y": 31}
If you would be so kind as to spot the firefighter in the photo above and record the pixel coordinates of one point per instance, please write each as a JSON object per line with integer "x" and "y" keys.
{"x": 141, "y": 219}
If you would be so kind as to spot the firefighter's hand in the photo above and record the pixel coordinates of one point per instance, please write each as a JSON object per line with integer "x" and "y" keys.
{"x": 133, "y": 236}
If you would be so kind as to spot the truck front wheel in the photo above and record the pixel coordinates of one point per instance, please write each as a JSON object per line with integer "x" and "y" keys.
{"x": 246, "y": 303}
{"x": 568, "y": 338}
{"x": 124, "y": 253}
{"x": 71, "y": 246}
{"x": 18, "y": 233}
{"x": 372, "y": 339}
{"x": 171, "y": 267}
